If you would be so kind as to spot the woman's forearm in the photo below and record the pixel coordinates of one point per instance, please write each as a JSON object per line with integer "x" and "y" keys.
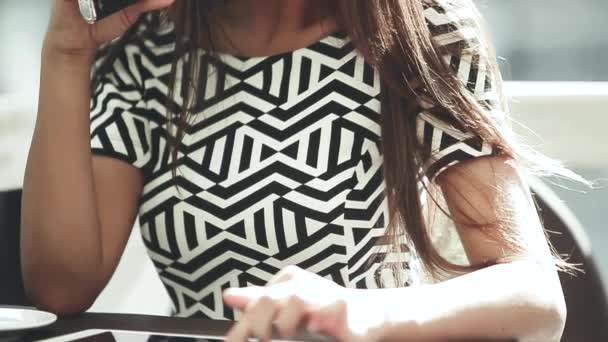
{"x": 522, "y": 301}
{"x": 60, "y": 229}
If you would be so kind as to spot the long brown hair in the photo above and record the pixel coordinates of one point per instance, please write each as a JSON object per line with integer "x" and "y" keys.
{"x": 394, "y": 37}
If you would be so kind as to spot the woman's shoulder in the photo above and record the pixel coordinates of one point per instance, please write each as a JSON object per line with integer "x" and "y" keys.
{"x": 452, "y": 23}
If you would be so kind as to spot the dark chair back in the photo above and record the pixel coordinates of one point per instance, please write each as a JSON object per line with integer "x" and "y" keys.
{"x": 585, "y": 293}
{"x": 11, "y": 284}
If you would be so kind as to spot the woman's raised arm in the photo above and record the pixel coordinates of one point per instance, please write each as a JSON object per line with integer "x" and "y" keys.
{"x": 78, "y": 209}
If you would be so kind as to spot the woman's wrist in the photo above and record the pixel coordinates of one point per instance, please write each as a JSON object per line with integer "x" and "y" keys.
{"x": 77, "y": 59}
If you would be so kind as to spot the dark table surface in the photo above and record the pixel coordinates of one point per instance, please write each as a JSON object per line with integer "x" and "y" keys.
{"x": 154, "y": 324}
{"x": 139, "y": 323}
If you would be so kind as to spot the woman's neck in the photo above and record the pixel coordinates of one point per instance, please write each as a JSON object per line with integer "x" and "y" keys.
{"x": 262, "y": 27}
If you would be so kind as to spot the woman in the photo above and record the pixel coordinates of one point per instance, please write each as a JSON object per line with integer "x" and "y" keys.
{"x": 282, "y": 156}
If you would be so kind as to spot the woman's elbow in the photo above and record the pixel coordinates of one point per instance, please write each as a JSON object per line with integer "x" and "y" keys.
{"x": 556, "y": 314}
{"x": 62, "y": 308}
{"x": 62, "y": 303}
{"x": 550, "y": 316}
{"x": 62, "y": 298}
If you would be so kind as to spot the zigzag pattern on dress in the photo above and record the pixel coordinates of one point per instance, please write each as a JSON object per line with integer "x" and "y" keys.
{"x": 455, "y": 33}
{"x": 282, "y": 167}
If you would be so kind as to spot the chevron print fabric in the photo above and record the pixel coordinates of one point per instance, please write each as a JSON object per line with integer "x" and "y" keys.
{"x": 281, "y": 167}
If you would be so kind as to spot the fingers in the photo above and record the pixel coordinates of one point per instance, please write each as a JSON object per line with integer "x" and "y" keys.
{"x": 258, "y": 318}
{"x": 239, "y": 298}
{"x": 282, "y": 287}
{"x": 256, "y": 322}
{"x": 331, "y": 321}
{"x": 291, "y": 316}
{"x": 116, "y": 24}
{"x": 288, "y": 300}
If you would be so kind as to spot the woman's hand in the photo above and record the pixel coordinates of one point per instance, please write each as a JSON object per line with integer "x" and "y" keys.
{"x": 69, "y": 33}
{"x": 296, "y": 299}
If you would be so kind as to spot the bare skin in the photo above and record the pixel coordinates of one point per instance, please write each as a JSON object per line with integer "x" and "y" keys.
{"x": 261, "y": 28}
{"x": 78, "y": 209}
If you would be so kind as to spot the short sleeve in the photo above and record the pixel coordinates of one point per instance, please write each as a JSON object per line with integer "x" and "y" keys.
{"x": 119, "y": 127}
{"x": 454, "y": 32}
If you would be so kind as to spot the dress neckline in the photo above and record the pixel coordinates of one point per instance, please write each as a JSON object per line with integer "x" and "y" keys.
{"x": 329, "y": 39}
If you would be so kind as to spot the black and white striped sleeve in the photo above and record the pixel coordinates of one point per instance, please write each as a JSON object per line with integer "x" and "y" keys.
{"x": 445, "y": 145}
{"x": 119, "y": 127}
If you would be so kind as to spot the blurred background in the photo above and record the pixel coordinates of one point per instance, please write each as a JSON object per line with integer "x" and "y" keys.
{"x": 553, "y": 55}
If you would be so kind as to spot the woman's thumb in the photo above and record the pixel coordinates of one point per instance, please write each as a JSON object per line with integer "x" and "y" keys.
{"x": 118, "y": 23}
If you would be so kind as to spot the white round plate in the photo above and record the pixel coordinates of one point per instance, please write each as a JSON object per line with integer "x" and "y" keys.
{"x": 13, "y": 319}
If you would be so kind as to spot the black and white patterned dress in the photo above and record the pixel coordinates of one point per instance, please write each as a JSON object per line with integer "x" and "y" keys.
{"x": 282, "y": 167}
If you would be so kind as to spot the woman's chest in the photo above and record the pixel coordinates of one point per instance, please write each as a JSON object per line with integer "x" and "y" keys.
{"x": 303, "y": 127}
{"x": 293, "y": 167}
{"x": 267, "y": 178}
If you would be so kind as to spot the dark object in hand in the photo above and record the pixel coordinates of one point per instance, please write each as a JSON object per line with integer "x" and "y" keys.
{"x": 95, "y": 10}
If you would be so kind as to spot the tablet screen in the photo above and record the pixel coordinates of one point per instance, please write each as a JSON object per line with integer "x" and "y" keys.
{"x": 126, "y": 336}
{"x": 131, "y": 336}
